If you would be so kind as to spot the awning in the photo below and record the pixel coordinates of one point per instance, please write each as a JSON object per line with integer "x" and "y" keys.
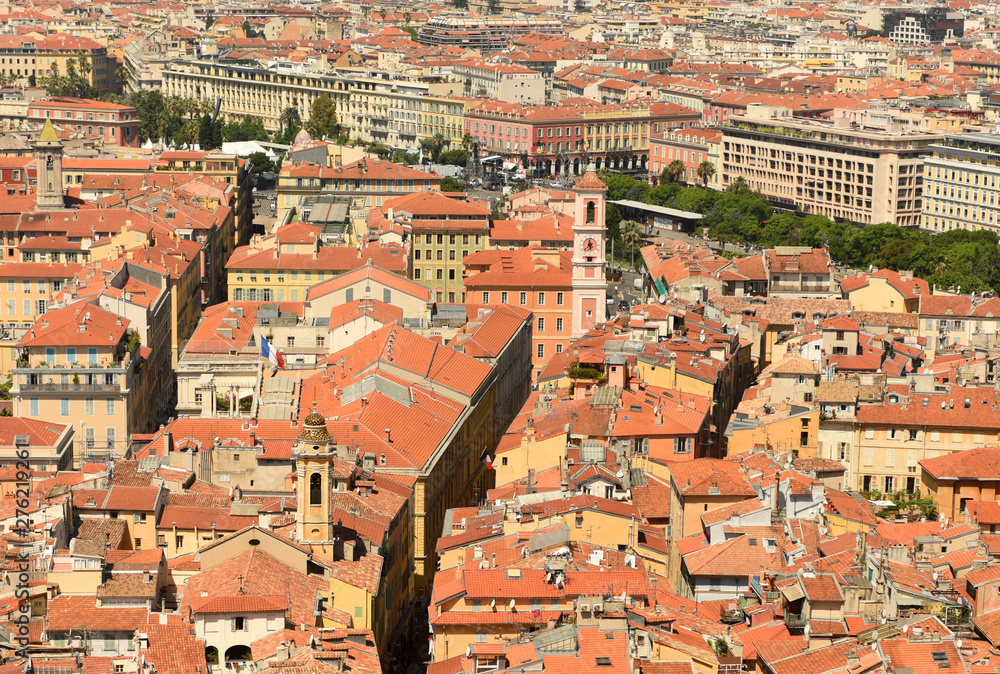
{"x": 659, "y": 286}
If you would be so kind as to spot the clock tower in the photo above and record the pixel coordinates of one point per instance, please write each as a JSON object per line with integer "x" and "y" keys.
{"x": 589, "y": 233}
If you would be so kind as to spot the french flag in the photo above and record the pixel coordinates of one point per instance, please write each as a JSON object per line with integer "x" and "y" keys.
{"x": 487, "y": 459}
{"x": 269, "y": 352}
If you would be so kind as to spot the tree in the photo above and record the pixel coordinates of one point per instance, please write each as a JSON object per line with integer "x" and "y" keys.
{"x": 407, "y": 17}
{"x": 579, "y": 6}
{"x": 434, "y": 146}
{"x": 451, "y": 185}
{"x": 411, "y": 31}
{"x": 455, "y": 157}
{"x": 209, "y": 20}
{"x": 248, "y": 30}
{"x": 493, "y": 6}
{"x": 322, "y": 118}
{"x": 738, "y": 186}
{"x": 290, "y": 123}
{"x": 705, "y": 171}
{"x": 460, "y": 4}
{"x": 123, "y": 77}
{"x": 632, "y": 234}
{"x": 673, "y": 171}
{"x": 261, "y": 163}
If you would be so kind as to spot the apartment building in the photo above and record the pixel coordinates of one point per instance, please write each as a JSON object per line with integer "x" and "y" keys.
{"x": 260, "y": 92}
{"x": 444, "y": 231}
{"x": 535, "y": 278}
{"x": 51, "y": 444}
{"x": 483, "y": 33}
{"x": 373, "y": 180}
{"x": 54, "y": 54}
{"x": 79, "y": 366}
{"x": 831, "y": 169}
{"x": 914, "y": 423}
{"x": 690, "y": 146}
{"x": 505, "y": 82}
{"x": 286, "y": 264}
{"x": 563, "y": 139}
{"x": 110, "y": 123}
{"x": 962, "y": 183}
{"x": 228, "y": 168}
{"x": 443, "y": 115}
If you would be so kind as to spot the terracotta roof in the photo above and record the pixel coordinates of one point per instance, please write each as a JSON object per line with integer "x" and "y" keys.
{"x": 980, "y": 463}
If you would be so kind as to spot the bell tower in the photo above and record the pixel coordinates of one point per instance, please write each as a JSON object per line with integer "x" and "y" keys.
{"x": 589, "y": 263}
{"x": 314, "y": 454}
{"x": 48, "y": 159}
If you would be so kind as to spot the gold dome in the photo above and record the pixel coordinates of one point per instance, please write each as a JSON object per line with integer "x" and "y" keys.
{"x": 315, "y": 419}
{"x": 314, "y": 429}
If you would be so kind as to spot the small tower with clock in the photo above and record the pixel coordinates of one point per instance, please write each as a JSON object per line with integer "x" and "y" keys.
{"x": 589, "y": 284}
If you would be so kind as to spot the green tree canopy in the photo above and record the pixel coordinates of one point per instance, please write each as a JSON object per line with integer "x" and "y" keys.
{"x": 322, "y": 118}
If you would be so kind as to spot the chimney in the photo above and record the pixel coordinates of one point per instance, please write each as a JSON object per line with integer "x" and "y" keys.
{"x": 388, "y": 437}
{"x": 167, "y": 444}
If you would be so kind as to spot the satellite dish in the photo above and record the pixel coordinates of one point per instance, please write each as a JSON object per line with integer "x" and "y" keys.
{"x": 493, "y": 604}
{"x": 663, "y": 299}
{"x": 958, "y": 644}
{"x": 512, "y": 603}
{"x": 468, "y": 651}
{"x": 904, "y": 628}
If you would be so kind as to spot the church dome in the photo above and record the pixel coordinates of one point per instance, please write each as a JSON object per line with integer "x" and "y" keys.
{"x": 314, "y": 429}
{"x": 315, "y": 419}
{"x": 302, "y": 137}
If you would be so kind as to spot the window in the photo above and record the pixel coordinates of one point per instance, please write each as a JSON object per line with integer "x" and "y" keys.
{"x": 350, "y": 294}
{"x": 109, "y": 434}
{"x": 89, "y": 433}
{"x": 315, "y": 489}
{"x": 541, "y": 325}
{"x": 890, "y": 457}
{"x": 64, "y": 407}
{"x": 290, "y": 342}
{"x": 137, "y": 544}
{"x": 503, "y": 297}
{"x": 239, "y": 624}
{"x": 109, "y": 406}
{"x": 559, "y": 299}
{"x": 109, "y": 642}
{"x": 541, "y": 299}
{"x": 387, "y": 296}
{"x": 88, "y": 407}
{"x": 33, "y": 405}
{"x": 486, "y": 297}
{"x": 41, "y": 306}
{"x": 524, "y": 299}
{"x": 179, "y": 541}
{"x": 541, "y": 351}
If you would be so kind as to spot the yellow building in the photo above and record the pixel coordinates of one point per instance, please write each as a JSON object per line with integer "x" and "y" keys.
{"x": 62, "y": 53}
{"x": 885, "y": 291}
{"x": 284, "y": 266}
{"x": 79, "y": 365}
{"x": 444, "y": 232}
{"x": 443, "y": 115}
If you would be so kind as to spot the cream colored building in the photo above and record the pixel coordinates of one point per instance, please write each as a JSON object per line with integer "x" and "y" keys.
{"x": 831, "y": 169}
{"x": 962, "y": 184}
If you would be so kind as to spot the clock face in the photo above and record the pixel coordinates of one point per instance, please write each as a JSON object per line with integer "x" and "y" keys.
{"x": 590, "y": 246}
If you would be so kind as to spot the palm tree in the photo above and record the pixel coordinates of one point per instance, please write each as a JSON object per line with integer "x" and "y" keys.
{"x": 124, "y": 77}
{"x": 190, "y": 133}
{"x": 738, "y": 186}
{"x": 467, "y": 142}
{"x": 705, "y": 171}
{"x": 675, "y": 170}
{"x": 290, "y": 118}
{"x": 435, "y": 145}
{"x": 407, "y": 17}
{"x": 632, "y": 233}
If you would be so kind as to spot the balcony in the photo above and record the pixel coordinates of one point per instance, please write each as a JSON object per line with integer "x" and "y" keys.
{"x": 69, "y": 388}
{"x": 795, "y": 620}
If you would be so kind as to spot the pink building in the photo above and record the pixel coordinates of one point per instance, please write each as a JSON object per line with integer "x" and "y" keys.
{"x": 111, "y": 123}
